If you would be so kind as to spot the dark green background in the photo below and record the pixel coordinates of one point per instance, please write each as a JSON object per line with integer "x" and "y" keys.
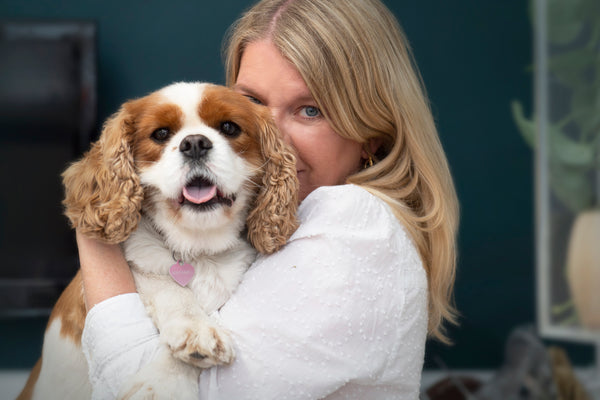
{"x": 474, "y": 57}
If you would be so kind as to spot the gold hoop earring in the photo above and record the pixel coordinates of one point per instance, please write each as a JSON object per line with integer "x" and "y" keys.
{"x": 368, "y": 162}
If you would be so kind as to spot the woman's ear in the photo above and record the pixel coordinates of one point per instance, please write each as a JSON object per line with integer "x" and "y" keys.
{"x": 370, "y": 148}
{"x": 103, "y": 195}
{"x": 272, "y": 219}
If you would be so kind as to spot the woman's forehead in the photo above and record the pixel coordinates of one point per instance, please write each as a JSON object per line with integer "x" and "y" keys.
{"x": 265, "y": 72}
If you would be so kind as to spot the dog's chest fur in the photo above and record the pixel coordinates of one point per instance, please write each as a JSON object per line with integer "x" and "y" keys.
{"x": 215, "y": 278}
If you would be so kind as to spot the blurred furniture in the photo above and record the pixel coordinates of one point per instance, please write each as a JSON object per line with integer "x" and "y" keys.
{"x": 47, "y": 115}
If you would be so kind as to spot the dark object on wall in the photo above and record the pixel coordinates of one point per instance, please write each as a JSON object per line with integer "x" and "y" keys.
{"x": 47, "y": 115}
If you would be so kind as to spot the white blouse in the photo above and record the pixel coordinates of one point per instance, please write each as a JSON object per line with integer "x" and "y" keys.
{"x": 339, "y": 313}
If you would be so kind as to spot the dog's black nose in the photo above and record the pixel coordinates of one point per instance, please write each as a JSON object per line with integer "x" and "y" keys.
{"x": 195, "y": 146}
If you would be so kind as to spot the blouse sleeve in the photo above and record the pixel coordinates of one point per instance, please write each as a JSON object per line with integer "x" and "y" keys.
{"x": 341, "y": 311}
{"x": 118, "y": 336}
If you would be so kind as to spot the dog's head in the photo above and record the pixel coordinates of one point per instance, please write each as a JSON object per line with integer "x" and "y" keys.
{"x": 198, "y": 160}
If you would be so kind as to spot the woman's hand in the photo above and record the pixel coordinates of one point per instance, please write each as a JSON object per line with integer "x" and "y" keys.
{"x": 104, "y": 270}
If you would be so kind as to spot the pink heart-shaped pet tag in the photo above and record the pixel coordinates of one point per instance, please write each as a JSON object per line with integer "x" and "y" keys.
{"x": 182, "y": 273}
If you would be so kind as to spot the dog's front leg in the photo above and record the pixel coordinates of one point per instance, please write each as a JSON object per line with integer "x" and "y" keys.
{"x": 190, "y": 334}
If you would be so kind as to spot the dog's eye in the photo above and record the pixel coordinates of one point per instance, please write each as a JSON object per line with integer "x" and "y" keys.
{"x": 161, "y": 134}
{"x": 230, "y": 129}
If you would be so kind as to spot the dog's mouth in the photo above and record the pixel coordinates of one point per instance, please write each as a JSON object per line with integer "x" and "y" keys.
{"x": 203, "y": 194}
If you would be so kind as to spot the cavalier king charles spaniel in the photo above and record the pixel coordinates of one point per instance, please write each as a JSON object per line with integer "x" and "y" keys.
{"x": 181, "y": 178}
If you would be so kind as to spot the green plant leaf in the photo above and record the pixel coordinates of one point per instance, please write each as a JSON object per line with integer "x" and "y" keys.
{"x": 563, "y": 149}
{"x": 564, "y": 20}
{"x": 570, "y": 67}
{"x": 526, "y": 127}
{"x": 585, "y": 106}
{"x": 569, "y": 152}
{"x": 571, "y": 187}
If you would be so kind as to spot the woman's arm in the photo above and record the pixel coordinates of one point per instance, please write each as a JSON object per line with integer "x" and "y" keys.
{"x": 104, "y": 270}
{"x": 118, "y": 337}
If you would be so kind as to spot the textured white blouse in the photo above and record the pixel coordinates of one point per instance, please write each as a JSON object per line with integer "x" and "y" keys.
{"x": 339, "y": 313}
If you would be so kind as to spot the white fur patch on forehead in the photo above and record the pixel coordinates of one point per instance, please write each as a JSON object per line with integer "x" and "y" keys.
{"x": 187, "y": 96}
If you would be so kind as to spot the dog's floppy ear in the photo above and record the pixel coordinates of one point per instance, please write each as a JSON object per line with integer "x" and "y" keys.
{"x": 272, "y": 219}
{"x": 103, "y": 195}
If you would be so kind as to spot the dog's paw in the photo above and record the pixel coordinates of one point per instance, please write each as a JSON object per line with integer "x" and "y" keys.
{"x": 198, "y": 342}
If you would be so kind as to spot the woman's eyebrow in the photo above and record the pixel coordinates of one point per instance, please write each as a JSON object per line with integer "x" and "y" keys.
{"x": 244, "y": 89}
{"x": 304, "y": 97}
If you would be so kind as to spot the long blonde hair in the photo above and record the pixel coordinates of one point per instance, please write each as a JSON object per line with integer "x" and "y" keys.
{"x": 357, "y": 63}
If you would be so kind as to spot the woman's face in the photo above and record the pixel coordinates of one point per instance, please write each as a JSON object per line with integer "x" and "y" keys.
{"x": 324, "y": 158}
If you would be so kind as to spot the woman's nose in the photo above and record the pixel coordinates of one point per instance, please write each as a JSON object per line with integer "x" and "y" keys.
{"x": 285, "y": 135}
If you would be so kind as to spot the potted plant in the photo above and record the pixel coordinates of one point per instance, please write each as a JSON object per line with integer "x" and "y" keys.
{"x": 573, "y": 143}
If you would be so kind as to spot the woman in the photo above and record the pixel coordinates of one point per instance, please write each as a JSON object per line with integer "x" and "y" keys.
{"x": 344, "y": 309}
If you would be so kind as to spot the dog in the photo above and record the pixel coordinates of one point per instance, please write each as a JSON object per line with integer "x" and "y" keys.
{"x": 192, "y": 178}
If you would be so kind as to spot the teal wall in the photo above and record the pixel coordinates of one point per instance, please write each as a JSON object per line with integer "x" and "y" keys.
{"x": 474, "y": 57}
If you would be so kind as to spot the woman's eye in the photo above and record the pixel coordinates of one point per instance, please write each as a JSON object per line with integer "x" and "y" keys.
{"x": 310, "y": 112}
{"x": 253, "y": 99}
{"x": 161, "y": 134}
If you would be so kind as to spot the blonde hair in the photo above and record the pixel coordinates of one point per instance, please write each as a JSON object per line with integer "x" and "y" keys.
{"x": 359, "y": 68}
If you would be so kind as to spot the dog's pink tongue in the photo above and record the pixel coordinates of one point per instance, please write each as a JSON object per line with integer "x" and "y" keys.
{"x": 199, "y": 195}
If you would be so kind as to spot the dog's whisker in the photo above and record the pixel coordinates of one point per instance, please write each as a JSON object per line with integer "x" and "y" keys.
{"x": 261, "y": 167}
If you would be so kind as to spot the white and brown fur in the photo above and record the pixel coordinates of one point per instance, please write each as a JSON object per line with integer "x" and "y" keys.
{"x": 129, "y": 187}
